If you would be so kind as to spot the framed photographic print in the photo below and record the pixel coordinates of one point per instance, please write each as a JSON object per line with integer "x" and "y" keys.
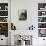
{"x": 22, "y": 14}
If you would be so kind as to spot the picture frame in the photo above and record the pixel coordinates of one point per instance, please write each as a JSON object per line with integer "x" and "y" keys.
{"x": 22, "y": 14}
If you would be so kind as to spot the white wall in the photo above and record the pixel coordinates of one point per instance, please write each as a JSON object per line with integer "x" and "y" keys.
{"x": 32, "y": 14}
{"x": 31, "y": 6}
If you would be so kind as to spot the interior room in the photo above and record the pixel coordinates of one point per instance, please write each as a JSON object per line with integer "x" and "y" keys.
{"x": 22, "y": 22}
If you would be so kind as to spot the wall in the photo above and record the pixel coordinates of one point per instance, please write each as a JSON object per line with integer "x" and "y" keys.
{"x": 31, "y": 7}
{"x": 23, "y": 4}
{"x": 32, "y": 14}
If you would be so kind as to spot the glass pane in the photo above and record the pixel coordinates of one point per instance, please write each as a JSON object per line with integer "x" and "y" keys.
{"x": 41, "y": 19}
{"x": 42, "y": 32}
{"x": 3, "y": 13}
{"x": 4, "y": 29}
{"x": 42, "y": 25}
{"x": 41, "y": 6}
{"x": 3, "y": 6}
{"x": 3, "y": 19}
